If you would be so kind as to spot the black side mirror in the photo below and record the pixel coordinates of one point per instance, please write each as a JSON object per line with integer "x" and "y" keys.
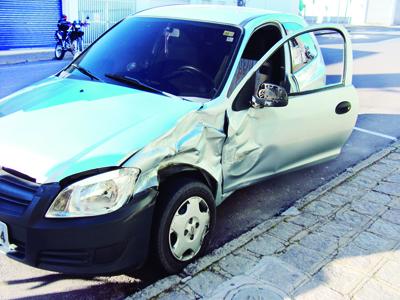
{"x": 270, "y": 95}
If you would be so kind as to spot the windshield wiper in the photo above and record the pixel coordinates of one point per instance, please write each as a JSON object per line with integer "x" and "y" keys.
{"x": 85, "y": 72}
{"x": 136, "y": 83}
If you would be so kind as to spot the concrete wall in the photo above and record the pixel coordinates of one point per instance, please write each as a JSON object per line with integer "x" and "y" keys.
{"x": 290, "y": 6}
{"x": 397, "y": 13}
{"x": 371, "y": 12}
{"x": 380, "y": 12}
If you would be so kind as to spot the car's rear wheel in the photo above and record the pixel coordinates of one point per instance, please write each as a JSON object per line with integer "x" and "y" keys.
{"x": 186, "y": 219}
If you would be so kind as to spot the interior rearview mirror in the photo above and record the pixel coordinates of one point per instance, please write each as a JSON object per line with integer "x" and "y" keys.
{"x": 270, "y": 95}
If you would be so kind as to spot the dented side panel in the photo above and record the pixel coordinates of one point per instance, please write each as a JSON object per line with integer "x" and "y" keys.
{"x": 196, "y": 140}
{"x": 258, "y": 142}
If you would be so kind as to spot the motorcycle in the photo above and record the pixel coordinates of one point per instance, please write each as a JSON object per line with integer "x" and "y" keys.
{"x": 69, "y": 37}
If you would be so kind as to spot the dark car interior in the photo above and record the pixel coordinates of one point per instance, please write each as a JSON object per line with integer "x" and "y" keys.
{"x": 272, "y": 71}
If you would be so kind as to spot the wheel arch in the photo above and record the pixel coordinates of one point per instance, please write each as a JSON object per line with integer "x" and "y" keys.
{"x": 173, "y": 172}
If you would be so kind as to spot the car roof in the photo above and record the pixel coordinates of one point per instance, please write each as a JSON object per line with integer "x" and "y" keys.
{"x": 233, "y": 15}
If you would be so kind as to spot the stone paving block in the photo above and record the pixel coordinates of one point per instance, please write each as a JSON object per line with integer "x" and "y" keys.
{"x": 245, "y": 287}
{"x": 350, "y": 191}
{"x": 393, "y": 156}
{"x": 334, "y": 199}
{"x": 351, "y": 218}
{"x": 337, "y": 229}
{"x": 316, "y": 290}
{"x": 365, "y": 207}
{"x": 390, "y": 272}
{"x": 278, "y": 273}
{"x": 285, "y": 231}
{"x": 385, "y": 229}
{"x": 373, "y": 243}
{"x": 389, "y": 188}
{"x": 393, "y": 178}
{"x": 377, "y": 197}
{"x": 392, "y": 215}
{"x": 371, "y": 174}
{"x": 339, "y": 278}
{"x": 395, "y": 254}
{"x": 175, "y": 295}
{"x": 244, "y": 252}
{"x": 305, "y": 220}
{"x": 358, "y": 259}
{"x": 395, "y": 203}
{"x": 392, "y": 163}
{"x": 265, "y": 245}
{"x": 204, "y": 283}
{"x": 304, "y": 259}
{"x": 383, "y": 168}
{"x": 236, "y": 264}
{"x": 320, "y": 208}
{"x": 373, "y": 290}
{"x": 323, "y": 243}
{"x": 363, "y": 181}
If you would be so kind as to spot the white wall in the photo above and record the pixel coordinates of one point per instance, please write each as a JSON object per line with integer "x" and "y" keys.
{"x": 380, "y": 12}
{"x": 288, "y": 6}
{"x": 397, "y": 14}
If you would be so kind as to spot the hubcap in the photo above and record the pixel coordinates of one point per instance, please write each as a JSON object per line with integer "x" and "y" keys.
{"x": 188, "y": 228}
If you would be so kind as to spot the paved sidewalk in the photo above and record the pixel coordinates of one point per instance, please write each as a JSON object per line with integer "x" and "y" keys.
{"x": 339, "y": 242}
{"x": 15, "y": 56}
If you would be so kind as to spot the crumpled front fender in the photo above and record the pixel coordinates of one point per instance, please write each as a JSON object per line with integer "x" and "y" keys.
{"x": 196, "y": 140}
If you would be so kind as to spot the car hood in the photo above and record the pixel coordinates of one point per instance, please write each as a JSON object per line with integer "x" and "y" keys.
{"x": 60, "y": 127}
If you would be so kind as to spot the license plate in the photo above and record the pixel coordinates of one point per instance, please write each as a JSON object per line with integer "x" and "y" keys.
{"x": 4, "y": 242}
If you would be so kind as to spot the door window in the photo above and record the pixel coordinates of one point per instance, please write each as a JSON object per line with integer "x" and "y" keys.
{"x": 303, "y": 48}
{"x": 314, "y": 76}
{"x": 272, "y": 70}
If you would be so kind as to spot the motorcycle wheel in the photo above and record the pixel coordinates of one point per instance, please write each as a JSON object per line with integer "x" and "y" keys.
{"x": 75, "y": 48}
{"x": 80, "y": 44}
{"x": 59, "y": 52}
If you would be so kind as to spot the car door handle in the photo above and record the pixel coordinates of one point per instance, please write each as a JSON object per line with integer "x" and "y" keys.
{"x": 343, "y": 107}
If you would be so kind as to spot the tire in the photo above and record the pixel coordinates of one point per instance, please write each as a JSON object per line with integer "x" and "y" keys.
{"x": 182, "y": 223}
{"x": 59, "y": 53}
{"x": 74, "y": 48}
{"x": 80, "y": 44}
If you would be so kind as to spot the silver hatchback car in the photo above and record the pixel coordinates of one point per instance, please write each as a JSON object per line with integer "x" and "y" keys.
{"x": 128, "y": 151}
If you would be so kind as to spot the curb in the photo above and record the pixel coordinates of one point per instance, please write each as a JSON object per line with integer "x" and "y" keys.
{"x": 202, "y": 263}
{"x": 24, "y": 56}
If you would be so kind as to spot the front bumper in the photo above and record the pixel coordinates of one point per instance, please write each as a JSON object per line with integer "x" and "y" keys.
{"x": 93, "y": 245}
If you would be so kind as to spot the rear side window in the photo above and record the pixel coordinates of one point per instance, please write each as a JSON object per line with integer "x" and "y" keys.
{"x": 302, "y": 49}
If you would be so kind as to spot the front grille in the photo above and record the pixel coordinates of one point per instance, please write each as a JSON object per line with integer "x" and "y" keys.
{"x": 16, "y": 193}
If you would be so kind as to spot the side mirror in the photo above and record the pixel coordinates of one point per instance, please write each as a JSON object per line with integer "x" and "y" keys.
{"x": 270, "y": 95}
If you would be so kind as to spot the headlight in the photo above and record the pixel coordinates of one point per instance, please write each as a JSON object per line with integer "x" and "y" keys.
{"x": 96, "y": 195}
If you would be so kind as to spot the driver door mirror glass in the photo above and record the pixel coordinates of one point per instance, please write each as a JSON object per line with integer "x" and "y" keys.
{"x": 270, "y": 95}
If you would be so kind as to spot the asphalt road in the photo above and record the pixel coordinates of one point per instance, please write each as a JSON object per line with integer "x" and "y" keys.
{"x": 377, "y": 78}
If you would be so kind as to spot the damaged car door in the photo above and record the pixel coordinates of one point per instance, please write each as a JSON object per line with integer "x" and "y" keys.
{"x": 275, "y": 126}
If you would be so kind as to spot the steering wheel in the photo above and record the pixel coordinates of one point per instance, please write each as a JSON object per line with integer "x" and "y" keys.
{"x": 193, "y": 70}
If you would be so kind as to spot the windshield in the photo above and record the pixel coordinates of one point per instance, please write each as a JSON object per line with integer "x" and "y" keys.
{"x": 183, "y": 58}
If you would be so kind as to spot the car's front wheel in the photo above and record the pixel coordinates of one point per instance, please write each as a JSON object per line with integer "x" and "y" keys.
{"x": 186, "y": 219}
